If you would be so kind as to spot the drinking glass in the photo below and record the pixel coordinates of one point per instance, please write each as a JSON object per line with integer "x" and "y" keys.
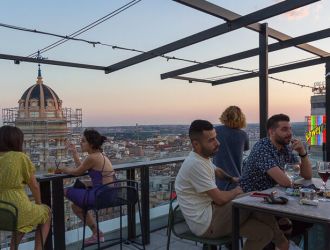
{"x": 58, "y": 162}
{"x": 323, "y": 169}
{"x": 292, "y": 170}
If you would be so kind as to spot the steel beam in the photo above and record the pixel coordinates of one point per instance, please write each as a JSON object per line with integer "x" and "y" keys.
{"x": 191, "y": 79}
{"x": 228, "y": 15}
{"x": 250, "y": 53}
{"x": 327, "y": 107}
{"x": 263, "y": 80}
{"x": 274, "y": 70}
{"x": 240, "y": 22}
{"x": 52, "y": 62}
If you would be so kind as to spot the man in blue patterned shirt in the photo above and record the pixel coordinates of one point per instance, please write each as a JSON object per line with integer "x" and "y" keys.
{"x": 264, "y": 167}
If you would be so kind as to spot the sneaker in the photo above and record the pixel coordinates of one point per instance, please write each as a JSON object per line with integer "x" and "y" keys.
{"x": 93, "y": 239}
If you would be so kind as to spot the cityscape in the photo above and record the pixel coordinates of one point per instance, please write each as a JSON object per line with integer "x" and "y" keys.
{"x": 139, "y": 72}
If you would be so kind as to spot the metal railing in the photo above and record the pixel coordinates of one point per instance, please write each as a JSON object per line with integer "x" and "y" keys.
{"x": 153, "y": 177}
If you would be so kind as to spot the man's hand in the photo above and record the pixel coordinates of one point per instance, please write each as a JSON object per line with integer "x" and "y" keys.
{"x": 305, "y": 166}
{"x": 238, "y": 190}
{"x": 234, "y": 179}
{"x": 220, "y": 197}
{"x": 298, "y": 146}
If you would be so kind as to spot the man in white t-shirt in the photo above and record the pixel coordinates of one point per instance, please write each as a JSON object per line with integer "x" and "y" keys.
{"x": 206, "y": 209}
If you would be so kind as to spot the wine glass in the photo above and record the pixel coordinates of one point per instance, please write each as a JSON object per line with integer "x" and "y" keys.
{"x": 292, "y": 170}
{"x": 323, "y": 169}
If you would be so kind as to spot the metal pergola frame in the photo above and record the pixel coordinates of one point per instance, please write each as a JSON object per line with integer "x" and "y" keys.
{"x": 234, "y": 21}
{"x": 262, "y": 51}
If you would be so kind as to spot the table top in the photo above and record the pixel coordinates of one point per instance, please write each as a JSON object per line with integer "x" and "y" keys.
{"x": 292, "y": 209}
{"x": 124, "y": 166}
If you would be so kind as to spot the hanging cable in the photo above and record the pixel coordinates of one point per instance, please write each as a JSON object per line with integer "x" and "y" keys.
{"x": 219, "y": 77}
{"x": 66, "y": 38}
{"x": 46, "y": 33}
{"x": 87, "y": 27}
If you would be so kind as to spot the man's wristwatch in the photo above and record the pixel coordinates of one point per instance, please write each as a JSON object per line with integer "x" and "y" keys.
{"x": 303, "y": 155}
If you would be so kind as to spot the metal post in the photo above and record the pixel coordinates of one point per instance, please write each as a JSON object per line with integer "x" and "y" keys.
{"x": 131, "y": 222}
{"x": 145, "y": 204}
{"x": 46, "y": 199}
{"x": 263, "y": 79}
{"x": 58, "y": 214}
{"x": 327, "y": 107}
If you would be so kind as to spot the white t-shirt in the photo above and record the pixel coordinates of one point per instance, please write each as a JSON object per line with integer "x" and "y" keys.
{"x": 195, "y": 177}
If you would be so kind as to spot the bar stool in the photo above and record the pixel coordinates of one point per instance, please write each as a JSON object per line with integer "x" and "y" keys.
{"x": 115, "y": 194}
{"x": 9, "y": 219}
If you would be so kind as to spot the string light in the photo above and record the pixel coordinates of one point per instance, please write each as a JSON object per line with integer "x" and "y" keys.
{"x": 168, "y": 58}
{"x": 88, "y": 27}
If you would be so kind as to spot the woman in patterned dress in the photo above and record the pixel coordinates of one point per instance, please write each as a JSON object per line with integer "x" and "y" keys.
{"x": 17, "y": 171}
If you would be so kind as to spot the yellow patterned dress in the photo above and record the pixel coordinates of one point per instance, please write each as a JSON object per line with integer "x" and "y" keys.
{"x": 15, "y": 171}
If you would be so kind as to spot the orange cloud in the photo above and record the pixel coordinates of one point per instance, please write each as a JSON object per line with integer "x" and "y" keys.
{"x": 296, "y": 13}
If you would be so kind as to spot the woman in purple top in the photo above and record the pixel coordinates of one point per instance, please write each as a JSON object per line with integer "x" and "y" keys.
{"x": 233, "y": 142}
{"x": 100, "y": 171}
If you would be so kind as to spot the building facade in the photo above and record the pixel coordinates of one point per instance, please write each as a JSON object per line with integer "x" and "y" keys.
{"x": 45, "y": 124}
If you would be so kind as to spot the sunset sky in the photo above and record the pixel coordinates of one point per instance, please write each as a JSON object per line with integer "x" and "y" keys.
{"x": 136, "y": 94}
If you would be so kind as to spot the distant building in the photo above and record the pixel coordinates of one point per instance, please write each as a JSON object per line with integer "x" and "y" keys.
{"x": 316, "y": 122}
{"x": 45, "y": 124}
{"x": 136, "y": 150}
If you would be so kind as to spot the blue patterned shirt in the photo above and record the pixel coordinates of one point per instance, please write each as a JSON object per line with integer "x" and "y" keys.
{"x": 264, "y": 156}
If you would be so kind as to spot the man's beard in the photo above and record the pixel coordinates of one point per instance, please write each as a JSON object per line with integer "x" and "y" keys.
{"x": 282, "y": 141}
{"x": 209, "y": 153}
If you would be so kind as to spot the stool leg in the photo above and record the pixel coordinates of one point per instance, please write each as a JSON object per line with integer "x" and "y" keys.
{"x": 306, "y": 240}
{"x": 120, "y": 231}
{"x": 142, "y": 231}
{"x": 97, "y": 229}
{"x": 83, "y": 240}
{"x": 169, "y": 232}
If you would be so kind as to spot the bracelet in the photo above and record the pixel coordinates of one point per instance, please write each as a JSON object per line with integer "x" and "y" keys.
{"x": 304, "y": 155}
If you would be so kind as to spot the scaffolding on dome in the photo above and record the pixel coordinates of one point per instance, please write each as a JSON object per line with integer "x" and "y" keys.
{"x": 44, "y": 138}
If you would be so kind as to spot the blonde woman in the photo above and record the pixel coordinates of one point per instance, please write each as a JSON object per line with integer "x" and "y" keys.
{"x": 233, "y": 142}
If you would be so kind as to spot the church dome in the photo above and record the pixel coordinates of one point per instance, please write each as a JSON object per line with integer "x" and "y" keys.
{"x": 39, "y": 100}
{"x": 40, "y": 92}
